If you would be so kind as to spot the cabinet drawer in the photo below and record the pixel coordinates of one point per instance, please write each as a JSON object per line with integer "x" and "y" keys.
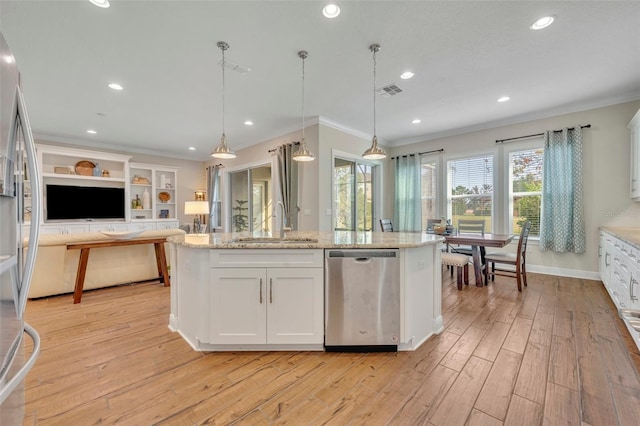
{"x": 256, "y": 258}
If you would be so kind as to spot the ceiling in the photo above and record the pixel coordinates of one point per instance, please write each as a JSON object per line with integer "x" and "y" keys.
{"x": 465, "y": 56}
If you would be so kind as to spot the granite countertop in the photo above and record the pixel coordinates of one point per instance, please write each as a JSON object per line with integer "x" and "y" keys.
{"x": 630, "y": 235}
{"x": 310, "y": 240}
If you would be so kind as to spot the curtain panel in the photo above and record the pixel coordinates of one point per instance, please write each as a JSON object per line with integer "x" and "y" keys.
{"x": 288, "y": 179}
{"x": 562, "y": 223}
{"x": 213, "y": 189}
{"x": 408, "y": 204}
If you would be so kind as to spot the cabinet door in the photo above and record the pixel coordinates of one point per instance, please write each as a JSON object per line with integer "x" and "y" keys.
{"x": 295, "y": 300}
{"x": 238, "y": 306}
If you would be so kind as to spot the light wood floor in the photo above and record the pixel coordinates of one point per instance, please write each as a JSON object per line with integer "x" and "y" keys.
{"x": 555, "y": 354}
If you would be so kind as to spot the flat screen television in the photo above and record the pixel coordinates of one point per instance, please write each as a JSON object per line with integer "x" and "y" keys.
{"x": 65, "y": 202}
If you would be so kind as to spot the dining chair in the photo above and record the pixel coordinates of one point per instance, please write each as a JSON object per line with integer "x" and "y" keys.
{"x": 517, "y": 259}
{"x": 468, "y": 226}
{"x": 386, "y": 225}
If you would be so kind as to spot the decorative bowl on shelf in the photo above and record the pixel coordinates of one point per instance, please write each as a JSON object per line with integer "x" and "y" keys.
{"x": 164, "y": 196}
{"x": 123, "y": 235}
{"x": 85, "y": 168}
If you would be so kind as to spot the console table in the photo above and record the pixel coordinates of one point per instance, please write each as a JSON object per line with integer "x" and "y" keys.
{"x": 84, "y": 248}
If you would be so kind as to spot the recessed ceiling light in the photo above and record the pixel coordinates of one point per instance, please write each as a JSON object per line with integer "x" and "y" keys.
{"x": 331, "y": 10}
{"x": 543, "y": 22}
{"x": 407, "y": 75}
{"x": 93, "y": 132}
{"x": 115, "y": 86}
{"x": 504, "y": 99}
{"x": 416, "y": 121}
{"x": 100, "y": 3}
{"x": 192, "y": 148}
{"x": 8, "y": 59}
{"x": 248, "y": 123}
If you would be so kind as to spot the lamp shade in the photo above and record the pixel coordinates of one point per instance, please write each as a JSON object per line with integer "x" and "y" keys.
{"x": 196, "y": 207}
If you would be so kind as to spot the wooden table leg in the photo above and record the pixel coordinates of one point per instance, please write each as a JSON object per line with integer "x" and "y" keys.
{"x": 477, "y": 265}
{"x": 161, "y": 260}
{"x": 82, "y": 271}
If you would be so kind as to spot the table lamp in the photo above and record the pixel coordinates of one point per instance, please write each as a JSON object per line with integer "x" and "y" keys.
{"x": 197, "y": 208}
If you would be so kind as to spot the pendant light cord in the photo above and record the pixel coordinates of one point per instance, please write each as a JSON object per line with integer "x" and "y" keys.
{"x": 303, "y": 57}
{"x": 375, "y": 49}
{"x": 223, "y": 85}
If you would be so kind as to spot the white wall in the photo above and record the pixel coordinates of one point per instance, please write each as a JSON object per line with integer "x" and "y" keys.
{"x": 606, "y": 152}
{"x": 191, "y": 174}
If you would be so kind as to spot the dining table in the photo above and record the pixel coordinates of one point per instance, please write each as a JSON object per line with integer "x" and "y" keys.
{"x": 478, "y": 242}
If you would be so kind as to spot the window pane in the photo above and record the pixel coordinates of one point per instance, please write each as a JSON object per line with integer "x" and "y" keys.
{"x": 470, "y": 190}
{"x": 525, "y": 186}
{"x": 429, "y": 189}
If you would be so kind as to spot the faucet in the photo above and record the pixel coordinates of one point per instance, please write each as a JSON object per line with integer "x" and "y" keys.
{"x": 283, "y": 229}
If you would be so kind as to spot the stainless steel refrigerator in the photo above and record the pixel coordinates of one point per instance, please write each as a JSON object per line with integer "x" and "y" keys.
{"x": 20, "y": 211}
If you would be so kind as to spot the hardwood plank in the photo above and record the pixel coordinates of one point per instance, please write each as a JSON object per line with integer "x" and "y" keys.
{"x": 523, "y": 412}
{"x": 462, "y": 350}
{"x": 627, "y": 404}
{"x": 458, "y": 403}
{"x": 532, "y": 378}
{"x": 491, "y": 343}
{"x": 496, "y": 393}
{"x": 518, "y": 335}
{"x": 542, "y": 329}
{"x": 617, "y": 363}
{"x": 562, "y": 406}
{"x": 478, "y": 418}
{"x": 563, "y": 363}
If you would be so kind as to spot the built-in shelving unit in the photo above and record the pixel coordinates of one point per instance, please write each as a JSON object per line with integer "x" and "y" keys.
{"x": 59, "y": 166}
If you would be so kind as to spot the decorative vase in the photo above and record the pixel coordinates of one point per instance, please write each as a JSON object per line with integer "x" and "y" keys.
{"x": 146, "y": 200}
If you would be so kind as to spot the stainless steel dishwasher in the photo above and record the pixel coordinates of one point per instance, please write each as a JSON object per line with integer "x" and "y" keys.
{"x": 362, "y": 300}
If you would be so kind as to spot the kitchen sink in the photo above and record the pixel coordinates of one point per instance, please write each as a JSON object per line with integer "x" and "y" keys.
{"x": 273, "y": 240}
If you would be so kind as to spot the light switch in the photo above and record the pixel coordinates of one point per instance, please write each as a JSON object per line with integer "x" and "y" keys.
{"x": 328, "y": 212}
{"x": 307, "y": 212}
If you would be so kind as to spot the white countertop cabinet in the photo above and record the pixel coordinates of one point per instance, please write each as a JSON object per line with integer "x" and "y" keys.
{"x": 225, "y": 296}
{"x": 620, "y": 270}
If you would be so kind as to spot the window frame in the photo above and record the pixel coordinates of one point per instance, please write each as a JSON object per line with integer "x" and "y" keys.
{"x": 506, "y": 152}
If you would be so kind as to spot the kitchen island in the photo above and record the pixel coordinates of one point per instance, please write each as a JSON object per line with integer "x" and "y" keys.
{"x": 241, "y": 292}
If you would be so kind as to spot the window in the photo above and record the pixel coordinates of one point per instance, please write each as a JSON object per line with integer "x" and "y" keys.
{"x": 353, "y": 192}
{"x": 250, "y": 214}
{"x": 525, "y": 189}
{"x": 470, "y": 190}
{"x": 429, "y": 189}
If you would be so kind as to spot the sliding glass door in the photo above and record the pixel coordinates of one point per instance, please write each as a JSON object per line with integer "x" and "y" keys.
{"x": 251, "y": 200}
{"x": 353, "y": 195}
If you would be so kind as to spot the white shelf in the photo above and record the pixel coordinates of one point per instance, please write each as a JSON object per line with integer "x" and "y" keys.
{"x": 82, "y": 177}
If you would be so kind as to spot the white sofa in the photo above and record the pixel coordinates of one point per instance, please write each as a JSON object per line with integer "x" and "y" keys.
{"x": 56, "y": 267}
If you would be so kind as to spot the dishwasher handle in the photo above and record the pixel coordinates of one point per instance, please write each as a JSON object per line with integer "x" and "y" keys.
{"x": 364, "y": 254}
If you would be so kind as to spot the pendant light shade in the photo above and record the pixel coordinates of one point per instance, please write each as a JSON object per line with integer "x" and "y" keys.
{"x": 303, "y": 154}
{"x": 374, "y": 152}
{"x": 222, "y": 150}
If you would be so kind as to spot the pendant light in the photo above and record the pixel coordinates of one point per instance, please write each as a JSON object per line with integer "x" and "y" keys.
{"x": 374, "y": 152}
{"x": 303, "y": 154}
{"x": 222, "y": 150}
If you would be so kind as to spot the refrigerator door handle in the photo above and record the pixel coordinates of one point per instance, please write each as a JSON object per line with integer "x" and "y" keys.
{"x": 36, "y": 202}
{"x": 20, "y": 375}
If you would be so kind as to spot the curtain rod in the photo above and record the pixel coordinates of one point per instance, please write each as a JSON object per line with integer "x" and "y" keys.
{"x": 275, "y": 149}
{"x": 420, "y": 153}
{"x": 586, "y": 126}
{"x": 216, "y": 165}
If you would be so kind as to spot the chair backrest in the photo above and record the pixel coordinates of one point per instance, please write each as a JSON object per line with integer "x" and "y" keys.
{"x": 522, "y": 242}
{"x": 431, "y": 223}
{"x": 386, "y": 225}
{"x": 470, "y": 226}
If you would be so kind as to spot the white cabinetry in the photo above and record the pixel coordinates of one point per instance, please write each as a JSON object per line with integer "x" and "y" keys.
{"x": 267, "y": 306}
{"x": 621, "y": 276}
{"x": 634, "y": 126}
